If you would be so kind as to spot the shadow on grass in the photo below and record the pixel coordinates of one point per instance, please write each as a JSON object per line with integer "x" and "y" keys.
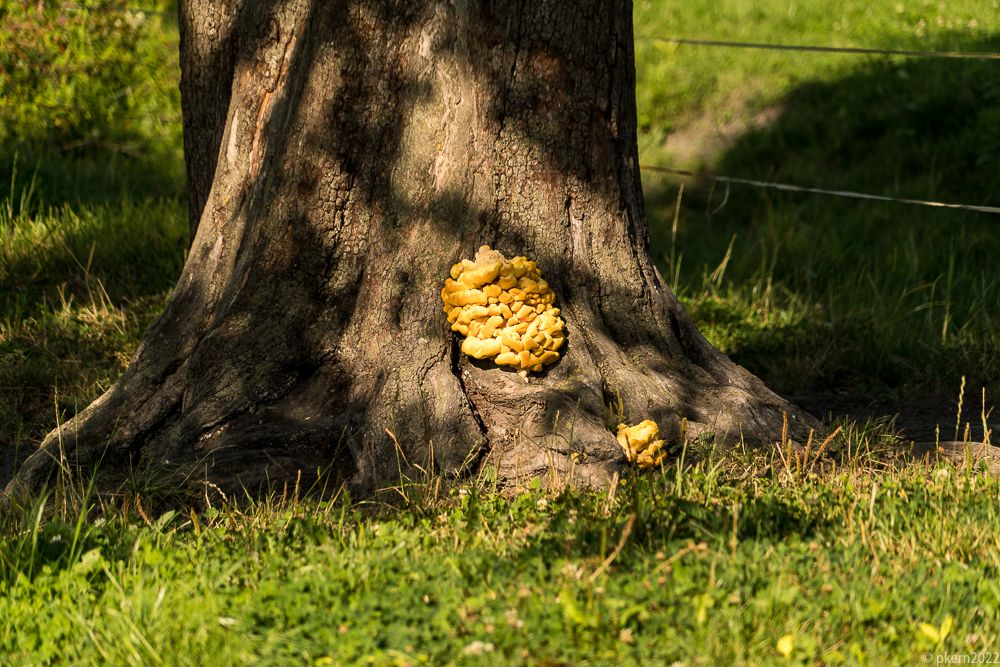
{"x": 92, "y": 226}
{"x": 80, "y": 285}
{"x": 829, "y": 294}
{"x": 39, "y": 177}
{"x": 663, "y": 518}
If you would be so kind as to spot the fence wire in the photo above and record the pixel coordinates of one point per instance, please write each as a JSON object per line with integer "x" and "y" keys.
{"x": 848, "y": 194}
{"x": 949, "y": 55}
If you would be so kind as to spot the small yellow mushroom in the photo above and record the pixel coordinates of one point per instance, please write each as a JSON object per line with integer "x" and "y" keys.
{"x": 469, "y": 297}
{"x": 506, "y": 359}
{"x": 481, "y": 349}
{"x": 481, "y": 275}
{"x": 505, "y": 310}
{"x": 652, "y": 455}
{"x": 641, "y": 443}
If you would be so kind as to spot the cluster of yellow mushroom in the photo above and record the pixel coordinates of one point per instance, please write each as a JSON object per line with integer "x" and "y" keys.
{"x": 642, "y": 444}
{"x": 504, "y": 309}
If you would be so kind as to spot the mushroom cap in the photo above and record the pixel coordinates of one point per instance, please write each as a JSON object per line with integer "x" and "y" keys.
{"x": 641, "y": 443}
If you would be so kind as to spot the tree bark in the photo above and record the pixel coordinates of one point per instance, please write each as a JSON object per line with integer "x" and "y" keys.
{"x": 208, "y": 31}
{"x": 367, "y": 147}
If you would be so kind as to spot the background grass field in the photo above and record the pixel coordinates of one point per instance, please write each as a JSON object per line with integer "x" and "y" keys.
{"x": 822, "y": 294}
{"x": 852, "y": 307}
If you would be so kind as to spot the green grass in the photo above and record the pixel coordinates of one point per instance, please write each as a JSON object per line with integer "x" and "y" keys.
{"x": 856, "y": 558}
{"x": 76, "y": 305}
{"x": 89, "y": 99}
{"x": 678, "y": 84}
{"x": 824, "y": 294}
{"x": 93, "y": 230}
{"x": 720, "y": 562}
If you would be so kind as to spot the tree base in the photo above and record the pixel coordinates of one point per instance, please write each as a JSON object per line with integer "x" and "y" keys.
{"x": 557, "y": 425}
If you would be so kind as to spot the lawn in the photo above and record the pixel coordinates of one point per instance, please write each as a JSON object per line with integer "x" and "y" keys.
{"x": 856, "y": 309}
{"x": 741, "y": 560}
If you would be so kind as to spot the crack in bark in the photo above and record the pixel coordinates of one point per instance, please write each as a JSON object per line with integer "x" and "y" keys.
{"x": 266, "y": 106}
{"x": 474, "y": 460}
{"x": 505, "y": 92}
{"x": 456, "y": 369}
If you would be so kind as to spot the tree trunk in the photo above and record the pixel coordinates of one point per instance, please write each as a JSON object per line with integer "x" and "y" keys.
{"x": 367, "y": 147}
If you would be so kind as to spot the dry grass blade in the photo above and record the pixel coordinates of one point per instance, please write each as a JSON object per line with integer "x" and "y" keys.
{"x": 629, "y": 524}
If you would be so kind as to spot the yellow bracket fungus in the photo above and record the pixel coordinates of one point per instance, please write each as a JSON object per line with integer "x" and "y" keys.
{"x": 504, "y": 309}
{"x": 642, "y": 444}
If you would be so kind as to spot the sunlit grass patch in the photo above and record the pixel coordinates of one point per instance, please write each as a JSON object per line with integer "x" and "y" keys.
{"x": 850, "y": 556}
